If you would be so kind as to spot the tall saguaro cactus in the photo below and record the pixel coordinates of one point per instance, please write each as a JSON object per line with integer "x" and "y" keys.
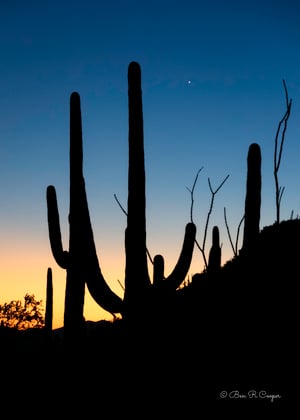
{"x": 253, "y": 196}
{"x": 80, "y": 261}
{"x": 137, "y": 281}
{"x": 136, "y": 271}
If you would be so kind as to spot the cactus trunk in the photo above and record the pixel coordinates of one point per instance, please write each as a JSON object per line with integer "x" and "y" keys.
{"x": 75, "y": 286}
{"x": 253, "y": 197}
{"x": 136, "y": 271}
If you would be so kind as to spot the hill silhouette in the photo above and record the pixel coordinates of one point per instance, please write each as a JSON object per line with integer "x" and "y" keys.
{"x": 235, "y": 328}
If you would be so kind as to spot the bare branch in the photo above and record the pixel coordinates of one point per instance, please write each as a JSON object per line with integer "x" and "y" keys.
{"x": 278, "y": 155}
{"x": 238, "y": 234}
{"x": 220, "y": 186}
{"x": 121, "y": 207}
{"x": 234, "y": 248}
{"x": 149, "y": 256}
{"x": 121, "y": 284}
{"x": 286, "y": 94}
{"x": 202, "y": 252}
{"x": 281, "y": 190}
{"x": 228, "y": 232}
{"x": 192, "y": 193}
{"x": 213, "y": 193}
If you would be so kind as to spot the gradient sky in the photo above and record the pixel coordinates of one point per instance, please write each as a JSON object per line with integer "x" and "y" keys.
{"x": 212, "y": 75}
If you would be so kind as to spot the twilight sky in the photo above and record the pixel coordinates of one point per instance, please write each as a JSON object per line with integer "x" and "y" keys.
{"x": 212, "y": 75}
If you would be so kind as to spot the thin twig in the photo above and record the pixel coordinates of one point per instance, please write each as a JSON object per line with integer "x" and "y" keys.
{"x": 192, "y": 193}
{"x": 213, "y": 193}
{"x": 121, "y": 284}
{"x": 228, "y": 232}
{"x": 238, "y": 234}
{"x": 149, "y": 256}
{"x": 121, "y": 207}
{"x": 278, "y": 156}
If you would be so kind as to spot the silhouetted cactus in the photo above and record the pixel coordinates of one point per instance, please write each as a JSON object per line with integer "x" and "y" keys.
{"x": 81, "y": 260}
{"x": 136, "y": 271}
{"x": 253, "y": 197}
{"x": 214, "y": 260}
{"x": 49, "y": 302}
{"x": 137, "y": 281}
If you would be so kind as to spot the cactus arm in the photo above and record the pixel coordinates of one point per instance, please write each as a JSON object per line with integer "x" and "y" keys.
{"x": 60, "y": 256}
{"x": 90, "y": 269}
{"x": 180, "y": 271}
{"x": 102, "y": 294}
{"x": 158, "y": 269}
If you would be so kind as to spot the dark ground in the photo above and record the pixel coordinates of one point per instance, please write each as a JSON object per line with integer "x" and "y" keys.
{"x": 234, "y": 333}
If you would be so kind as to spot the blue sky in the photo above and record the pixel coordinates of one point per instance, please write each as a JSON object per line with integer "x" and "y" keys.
{"x": 212, "y": 76}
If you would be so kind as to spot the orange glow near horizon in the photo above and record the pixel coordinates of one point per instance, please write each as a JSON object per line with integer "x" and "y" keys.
{"x": 26, "y": 272}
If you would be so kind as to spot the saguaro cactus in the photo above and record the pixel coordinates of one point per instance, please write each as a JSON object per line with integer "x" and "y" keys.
{"x": 214, "y": 260}
{"x": 81, "y": 260}
{"x": 136, "y": 271}
{"x": 253, "y": 197}
{"x": 137, "y": 281}
{"x": 49, "y": 302}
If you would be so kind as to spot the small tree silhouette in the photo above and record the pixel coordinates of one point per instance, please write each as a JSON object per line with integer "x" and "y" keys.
{"x": 22, "y": 316}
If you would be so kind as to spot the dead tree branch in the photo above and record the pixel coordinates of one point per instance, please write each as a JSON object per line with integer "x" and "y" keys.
{"x": 213, "y": 193}
{"x": 238, "y": 234}
{"x": 278, "y": 153}
{"x": 120, "y": 205}
{"x": 192, "y": 193}
{"x": 233, "y": 247}
{"x": 228, "y": 232}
